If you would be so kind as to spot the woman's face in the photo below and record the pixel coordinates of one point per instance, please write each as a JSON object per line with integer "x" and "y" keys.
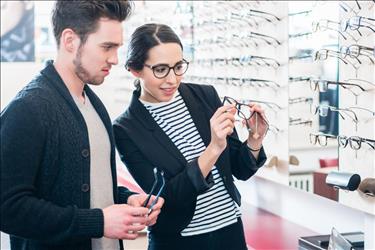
{"x": 156, "y": 90}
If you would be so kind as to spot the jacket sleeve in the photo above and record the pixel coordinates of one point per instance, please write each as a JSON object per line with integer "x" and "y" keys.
{"x": 181, "y": 190}
{"x": 23, "y": 213}
{"x": 243, "y": 163}
{"x": 123, "y": 194}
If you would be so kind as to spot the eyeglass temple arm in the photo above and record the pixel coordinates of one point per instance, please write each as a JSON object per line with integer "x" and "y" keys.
{"x": 338, "y": 111}
{"x": 343, "y": 84}
{"x": 355, "y": 119}
{"x": 158, "y": 194}
{"x": 153, "y": 187}
{"x": 364, "y": 109}
{"x": 265, "y": 13}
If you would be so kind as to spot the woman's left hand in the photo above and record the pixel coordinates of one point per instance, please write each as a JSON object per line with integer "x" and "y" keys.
{"x": 258, "y": 126}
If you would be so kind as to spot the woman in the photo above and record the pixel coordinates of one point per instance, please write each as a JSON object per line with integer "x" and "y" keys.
{"x": 183, "y": 130}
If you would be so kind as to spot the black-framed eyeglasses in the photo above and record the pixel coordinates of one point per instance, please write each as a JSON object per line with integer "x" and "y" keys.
{"x": 244, "y": 112}
{"x": 162, "y": 70}
{"x": 355, "y": 142}
{"x": 157, "y": 180}
{"x": 321, "y": 138}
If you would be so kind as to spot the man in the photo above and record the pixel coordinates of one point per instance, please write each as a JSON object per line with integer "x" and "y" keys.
{"x": 58, "y": 174}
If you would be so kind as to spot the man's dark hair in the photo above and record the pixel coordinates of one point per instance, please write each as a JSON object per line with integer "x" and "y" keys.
{"x": 82, "y": 16}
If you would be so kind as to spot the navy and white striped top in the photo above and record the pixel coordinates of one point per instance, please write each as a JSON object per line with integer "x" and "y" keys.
{"x": 214, "y": 209}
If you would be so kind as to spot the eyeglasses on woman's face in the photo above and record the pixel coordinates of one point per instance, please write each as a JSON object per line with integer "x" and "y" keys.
{"x": 162, "y": 70}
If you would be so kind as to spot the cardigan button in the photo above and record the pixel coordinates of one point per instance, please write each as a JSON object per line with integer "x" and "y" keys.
{"x": 85, "y": 153}
{"x": 85, "y": 187}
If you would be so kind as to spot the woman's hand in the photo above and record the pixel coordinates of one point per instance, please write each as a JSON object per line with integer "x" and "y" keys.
{"x": 222, "y": 125}
{"x": 257, "y": 125}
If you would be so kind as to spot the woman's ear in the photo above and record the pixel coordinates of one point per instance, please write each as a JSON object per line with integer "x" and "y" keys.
{"x": 135, "y": 73}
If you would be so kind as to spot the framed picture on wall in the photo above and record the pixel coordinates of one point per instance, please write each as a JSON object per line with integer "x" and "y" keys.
{"x": 17, "y": 31}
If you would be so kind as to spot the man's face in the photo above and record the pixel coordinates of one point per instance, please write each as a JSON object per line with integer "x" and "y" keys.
{"x": 94, "y": 59}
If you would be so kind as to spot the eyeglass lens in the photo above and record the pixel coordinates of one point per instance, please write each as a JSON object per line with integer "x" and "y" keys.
{"x": 161, "y": 71}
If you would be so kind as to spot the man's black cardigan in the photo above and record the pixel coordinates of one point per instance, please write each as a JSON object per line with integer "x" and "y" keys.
{"x": 45, "y": 168}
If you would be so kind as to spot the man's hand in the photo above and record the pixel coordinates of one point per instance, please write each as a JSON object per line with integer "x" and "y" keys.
{"x": 124, "y": 221}
{"x": 137, "y": 200}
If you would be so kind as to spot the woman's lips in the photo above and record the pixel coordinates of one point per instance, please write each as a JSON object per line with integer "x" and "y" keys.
{"x": 168, "y": 91}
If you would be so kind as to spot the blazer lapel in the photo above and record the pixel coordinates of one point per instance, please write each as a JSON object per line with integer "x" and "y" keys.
{"x": 139, "y": 111}
{"x": 200, "y": 118}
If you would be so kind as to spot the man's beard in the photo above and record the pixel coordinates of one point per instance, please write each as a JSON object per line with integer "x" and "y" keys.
{"x": 82, "y": 73}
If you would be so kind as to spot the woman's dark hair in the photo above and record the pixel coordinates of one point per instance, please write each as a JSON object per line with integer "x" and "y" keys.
{"x": 82, "y": 16}
{"x": 145, "y": 38}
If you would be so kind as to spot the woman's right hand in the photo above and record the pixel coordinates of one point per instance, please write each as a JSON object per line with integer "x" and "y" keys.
{"x": 222, "y": 125}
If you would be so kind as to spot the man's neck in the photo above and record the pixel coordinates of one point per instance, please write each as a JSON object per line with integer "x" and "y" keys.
{"x": 70, "y": 79}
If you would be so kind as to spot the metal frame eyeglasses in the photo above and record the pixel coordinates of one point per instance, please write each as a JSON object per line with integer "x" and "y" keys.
{"x": 156, "y": 180}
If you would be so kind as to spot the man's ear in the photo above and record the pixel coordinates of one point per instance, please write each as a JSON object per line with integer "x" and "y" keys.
{"x": 69, "y": 40}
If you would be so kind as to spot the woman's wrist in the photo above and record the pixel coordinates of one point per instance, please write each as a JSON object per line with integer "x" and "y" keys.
{"x": 254, "y": 145}
{"x": 214, "y": 150}
{"x": 208, "y": 158}
{"x": 254, "y": 149}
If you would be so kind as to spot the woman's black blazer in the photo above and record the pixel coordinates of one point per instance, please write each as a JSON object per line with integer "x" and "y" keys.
{"x": 143, "y": 145}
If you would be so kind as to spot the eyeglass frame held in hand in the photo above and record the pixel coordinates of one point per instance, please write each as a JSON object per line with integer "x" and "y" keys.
{"x": 242, "y": 115}
{"x": 156, "y": 180}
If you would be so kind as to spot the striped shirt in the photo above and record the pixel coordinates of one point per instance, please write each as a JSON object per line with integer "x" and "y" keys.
{"x": 214, "y": 208}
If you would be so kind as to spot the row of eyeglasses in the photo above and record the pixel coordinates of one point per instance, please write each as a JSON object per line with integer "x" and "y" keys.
{"x": 355, "y": 142}
{"x": 349, "y": 112}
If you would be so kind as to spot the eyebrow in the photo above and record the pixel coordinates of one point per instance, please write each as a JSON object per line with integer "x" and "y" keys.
{"x": 112, "y": 44}
{"x": 166, "y": 64}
